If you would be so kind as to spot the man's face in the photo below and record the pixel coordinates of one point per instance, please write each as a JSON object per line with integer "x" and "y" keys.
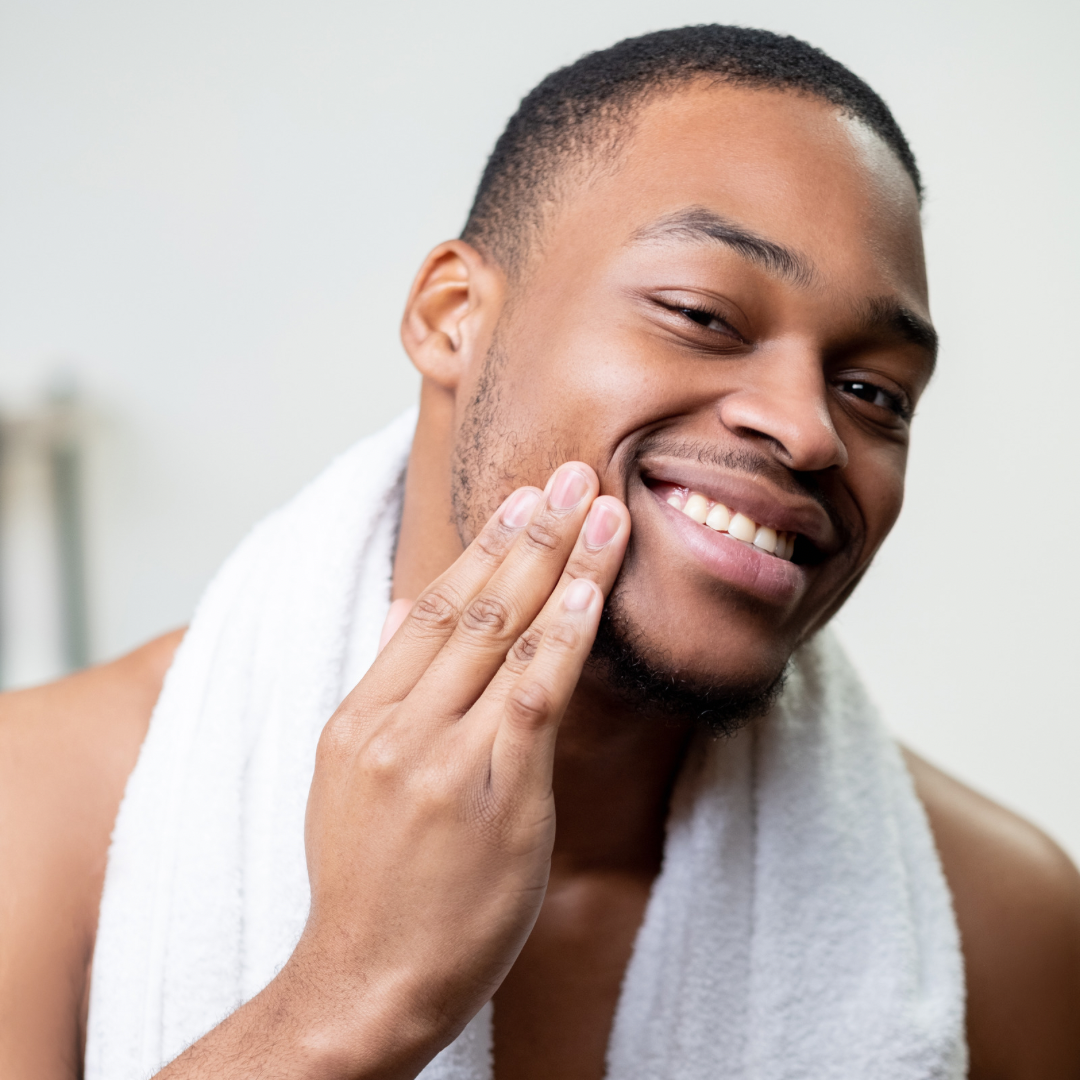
{"x": 738, "y": 310}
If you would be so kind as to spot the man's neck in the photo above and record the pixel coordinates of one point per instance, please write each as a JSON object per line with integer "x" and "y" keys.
{"x": 613, "y": 776}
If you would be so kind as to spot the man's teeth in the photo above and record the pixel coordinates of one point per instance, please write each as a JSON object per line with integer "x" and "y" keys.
{"x": 697, "y": 508}
{"x": 742, "y": 528}
{"x": 720, "y": 519}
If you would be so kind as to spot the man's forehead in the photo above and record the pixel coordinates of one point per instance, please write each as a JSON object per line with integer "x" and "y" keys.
{"x": 785, "y": 165}
{"x": 778, "y": 177}
{"x": 719, "y": 122}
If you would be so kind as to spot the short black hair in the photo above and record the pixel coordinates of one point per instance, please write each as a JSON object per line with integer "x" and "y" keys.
{"x": 582, "y": 109}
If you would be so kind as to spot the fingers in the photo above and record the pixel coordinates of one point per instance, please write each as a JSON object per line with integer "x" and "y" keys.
{"x": 529, "y": 695}
{"x": 534, "y": 703}
{"x": 596, "y": 558}
{"x": 508, "y": 602}
{"x": 598, "y": 555}
{"x": 434, "y": 616}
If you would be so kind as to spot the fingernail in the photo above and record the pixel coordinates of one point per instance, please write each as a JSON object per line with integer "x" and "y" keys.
{"x": 569, "y": 489}
{"x": 519, "y": 508}
{"x": 578, "y": 595}
{"x": 601, "y": 525}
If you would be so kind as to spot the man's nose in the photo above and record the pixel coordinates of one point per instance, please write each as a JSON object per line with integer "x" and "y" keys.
{"x": 784, "y": 403}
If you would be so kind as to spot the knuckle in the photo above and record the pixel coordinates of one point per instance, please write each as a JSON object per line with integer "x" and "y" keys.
{"x": 542, "y": 535}
{"x": 490, "y": 546}
{"x": 525, "y": 647}
{"x": 437, "y": 610}
{"x": 583, "y": 563}
{"x": 338, "y": 736}
{"x": 529, "y": 704}
{"x": 342, "y": 737}
{"x": 333, "y": 744}
{"x": 444, "y": 787}
{"x": 563, "y": 636}
{"x": 488, "y": 614}
{"x": 382, "y": 757}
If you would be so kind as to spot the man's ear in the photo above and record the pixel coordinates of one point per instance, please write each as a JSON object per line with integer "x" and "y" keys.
{"x": 451, "y": 311}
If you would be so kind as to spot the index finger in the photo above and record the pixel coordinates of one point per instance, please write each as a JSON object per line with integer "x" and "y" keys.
{"x": 435, "y": 614}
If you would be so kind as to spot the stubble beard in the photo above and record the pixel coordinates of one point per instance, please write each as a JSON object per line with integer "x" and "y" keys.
{"x": 645, "y": 681}
{"x": 636, "y": 672}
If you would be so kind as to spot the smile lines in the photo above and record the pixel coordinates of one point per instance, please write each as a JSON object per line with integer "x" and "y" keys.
{"x": 719, "y": 518}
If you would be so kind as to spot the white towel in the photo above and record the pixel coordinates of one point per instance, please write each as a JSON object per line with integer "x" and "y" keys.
{"x": 800, "y": 925}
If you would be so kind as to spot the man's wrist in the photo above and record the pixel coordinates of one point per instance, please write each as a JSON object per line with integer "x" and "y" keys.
{"x": 354, "y": 1031}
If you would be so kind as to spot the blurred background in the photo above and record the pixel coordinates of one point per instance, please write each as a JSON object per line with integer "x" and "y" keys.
{"x": 210, "y": 214}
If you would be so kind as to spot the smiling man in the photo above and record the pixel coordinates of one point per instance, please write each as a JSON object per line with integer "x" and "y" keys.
{"x": 609, "y": 800}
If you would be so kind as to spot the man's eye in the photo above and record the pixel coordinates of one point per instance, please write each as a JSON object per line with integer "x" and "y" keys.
{"x": 875, "y": 395}
{"x": 706, "y": 319}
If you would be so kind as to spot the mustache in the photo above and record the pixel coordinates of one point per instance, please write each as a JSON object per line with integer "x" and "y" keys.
{"x": 744, "y": 459}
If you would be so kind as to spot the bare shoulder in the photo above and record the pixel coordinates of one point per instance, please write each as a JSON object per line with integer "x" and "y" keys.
{"x": 66, "y": 750}
{"x": 1017, "y": 898}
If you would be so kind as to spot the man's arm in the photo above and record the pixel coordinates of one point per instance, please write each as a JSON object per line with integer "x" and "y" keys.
{"x": 1017, "y": 899}
{"x": 66, "y": 750}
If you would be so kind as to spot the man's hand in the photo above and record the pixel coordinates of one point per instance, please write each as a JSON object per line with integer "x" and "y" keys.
{"x": 431, "y": 819}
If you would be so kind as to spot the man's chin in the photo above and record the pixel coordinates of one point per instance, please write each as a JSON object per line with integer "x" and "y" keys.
{"x": 639, "y": 674}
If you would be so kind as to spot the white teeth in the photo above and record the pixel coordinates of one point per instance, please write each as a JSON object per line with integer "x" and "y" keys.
{"x": 697, "y": 508}
{"x": 742, "y": 528}
{"x": 719, "y": 518}
{"x": 765, "y": 538}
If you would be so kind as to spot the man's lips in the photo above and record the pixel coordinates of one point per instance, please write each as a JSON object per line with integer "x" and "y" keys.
{"x": 757, "y": 498}
{"x": 736, "y": 563}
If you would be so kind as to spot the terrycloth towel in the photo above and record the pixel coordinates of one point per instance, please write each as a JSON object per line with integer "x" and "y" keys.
{"x": 800, "y": 926}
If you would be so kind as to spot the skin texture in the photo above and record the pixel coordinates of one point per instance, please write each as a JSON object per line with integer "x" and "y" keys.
{"x": 481, "y": 719}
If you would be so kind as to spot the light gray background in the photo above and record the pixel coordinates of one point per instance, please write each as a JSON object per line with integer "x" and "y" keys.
{"x": 210, "y": 214}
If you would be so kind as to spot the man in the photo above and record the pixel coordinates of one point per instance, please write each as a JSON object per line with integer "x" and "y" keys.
{"x": 691, "y": 300}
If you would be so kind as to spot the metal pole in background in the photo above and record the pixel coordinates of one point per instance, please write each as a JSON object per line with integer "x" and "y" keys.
{"x": 43, "y": 586}
{"x": 65, "y": 463}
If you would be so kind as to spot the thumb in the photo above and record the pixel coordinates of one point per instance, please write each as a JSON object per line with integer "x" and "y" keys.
{"x": 394, "y": 618}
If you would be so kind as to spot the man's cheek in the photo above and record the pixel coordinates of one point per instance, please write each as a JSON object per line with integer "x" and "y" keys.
{"x": 882, "y": 502}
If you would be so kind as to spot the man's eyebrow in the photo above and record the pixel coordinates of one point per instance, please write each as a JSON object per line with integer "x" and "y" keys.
{"x": 892, "y": 317}
{"x": 699, "y": 223}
